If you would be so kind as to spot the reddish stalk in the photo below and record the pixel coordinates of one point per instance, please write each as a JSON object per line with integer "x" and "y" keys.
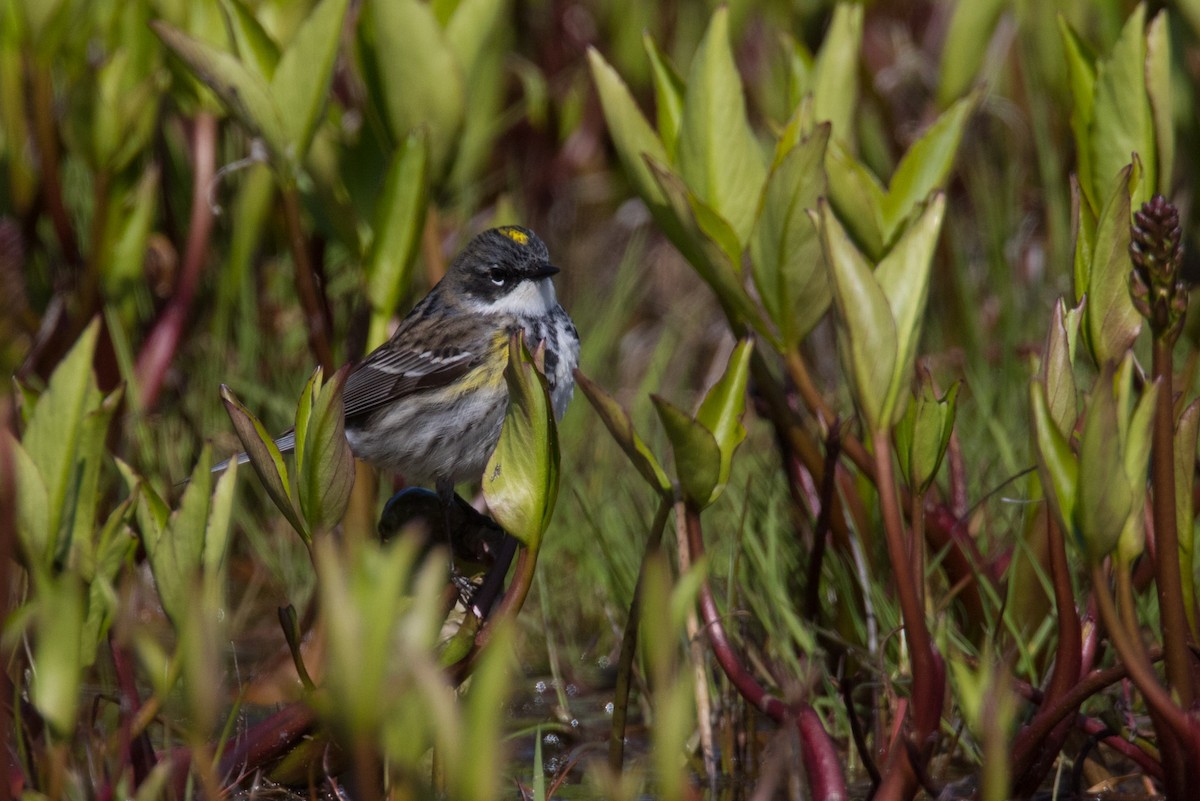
{"x": 822, "y": 764}
{"x": 899, "y": 778}
{"x": 46, "y": 132}
{"x": 158, "y": 351}
{"x": 1168, "y": 579}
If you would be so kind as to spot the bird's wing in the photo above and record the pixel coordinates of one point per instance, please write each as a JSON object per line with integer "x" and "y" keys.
{"x": 388, "y": 374}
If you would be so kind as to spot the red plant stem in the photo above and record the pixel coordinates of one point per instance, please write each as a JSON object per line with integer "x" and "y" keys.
{"x": 268, "y": 740}
{"x": 1138, "y": 664}
{"x": 822, "y": 765}
{"x": 161, "y": 345}
{"x": 316, "y": 315}
{"x": 899, "y": 779}
{"x": 1093, "y": 727}
{"x": 1168, "y": 579}
{"x": 1031, "y": 758}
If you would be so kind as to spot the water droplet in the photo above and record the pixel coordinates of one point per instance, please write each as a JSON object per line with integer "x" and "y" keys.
{"x": 540, "y": 687}
{"x": 608, "y": 708}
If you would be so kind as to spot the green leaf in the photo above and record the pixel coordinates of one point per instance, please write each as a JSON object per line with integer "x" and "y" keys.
{"x": 470, "y": 31}
{"x": 1057, "y": 464}
{"x": 1083, "y": 233}
{"x": 304, "y": 407}
{"x": 33, "y": 508}
{"x": 1057, "y": 373}
{"x": 858, "y": 197}
{"x": 925, "y": 165}
{"x": 864, "y": 311}
{"x": 633, "y": 138}
{"x": 923, "y": 434}
{"x": 1081, "y": 73}
{"x": 618, "y": 423}
{"x": 835, "y": 71}
{"x": 79, "y": 508}
{"x": 1122, "y": 122}
{"x": 220, "y": 516}
{"x": 265, "y": 458}
{"x": 971, "y": 26}
{"x": 254, "y": 47}
{"x": 55, "y": 426}
{"x": 785, "y": 252}
{"x": 56, "y": 677}
{"x": 669, "y": 91}
{"x": 520, "y": 483}
{"x": 709, "y": 259}
{"x": 398, "y": 225}
{"x": 697, "y": 454}
{"x": 176, "y": 557}
{"x": 421, "y": 79}
{"x": 326, "y": 478}
{"x": 903, "y": 276}
{"x": 1112, "y": 321}
{"x": 242, "y": 91}
{"x": 300, "y": 84}
{"x": 1105, "y": 497}
{"x": 721, "y": 410}
{"x": 719, "y": 157}
{"x": 122, "y": 265}
{"x": 1158, "y": 91}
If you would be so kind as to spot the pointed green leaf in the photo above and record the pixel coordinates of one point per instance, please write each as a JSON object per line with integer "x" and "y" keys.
{"x": 971, "y": 26}
{"x": 669, "y": 90}
{"x": 56, "y": 424}
{"x": 1057, "y": 465}
{"x": 220, "y": 517}
{"x": 242, "y": 91}
{"x": 835, "y": 71}
{"x": 1081, "y": 72}
{"x": 1158, "y": 90}
{"x": 327, "y": 477}
{"x": 176, "y": 558}
{"x": 1112, "y": 321}
{"x": 304, "y": 407}
{"x": 1083, "y": 233}
{"x": 422, "y": 81}
{"x": 864, "y": 311}
{"x": 57, "y": 664}
{"x": 254, "y": 47}
{"x": 1105, "y": 497}
{"x": 697, "y": 455}
{"x": 924, "y": 432}
{"x": 265, "y": 458}
{"x": 719, "y": 157}
{"x": 785, "y": 252}
{"x": 470, "y": 29}
{"x": 925, "y": 165}
{"x": 618, "y": 423}
{"x": 1057, "y": 373}
{"x": 721, "y": 410}
{"x": 903, "y": 276}
{"x": 397, "y": 229}
{"x": 708, "y": 258}
{"x": 1122, "y": 122}
{"x": 520, "y": 483}
{"x": 632, "y": 135}
{"x": 300, "y": 85}
{"x": 858, "y": 197}
{"x": 33, "y": 508}
{"x": 79, "y": 508}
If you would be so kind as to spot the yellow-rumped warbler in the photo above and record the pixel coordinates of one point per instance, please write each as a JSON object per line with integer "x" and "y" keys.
{"x": 429, "y": 403}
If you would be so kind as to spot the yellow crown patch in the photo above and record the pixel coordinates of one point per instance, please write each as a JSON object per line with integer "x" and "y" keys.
{"x": 516, "y": 235}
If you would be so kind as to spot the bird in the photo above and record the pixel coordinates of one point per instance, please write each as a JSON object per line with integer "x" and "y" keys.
{"x": 429, "y": 402}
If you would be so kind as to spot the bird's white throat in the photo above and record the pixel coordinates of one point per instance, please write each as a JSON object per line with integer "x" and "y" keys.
{"x": 527, "y": 299}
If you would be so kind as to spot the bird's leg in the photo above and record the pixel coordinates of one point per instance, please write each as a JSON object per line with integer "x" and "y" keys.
{"x": 469, "y": 531}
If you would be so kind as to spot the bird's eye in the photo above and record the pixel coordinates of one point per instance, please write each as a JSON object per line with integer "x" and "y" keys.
{"x": 498, "y": 276}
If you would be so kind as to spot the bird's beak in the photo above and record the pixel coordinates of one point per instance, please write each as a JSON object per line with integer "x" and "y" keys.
{"x": 545, "y": 270}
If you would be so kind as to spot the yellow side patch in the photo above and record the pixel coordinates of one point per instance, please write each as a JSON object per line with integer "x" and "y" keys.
{"x": 516, "y": 235}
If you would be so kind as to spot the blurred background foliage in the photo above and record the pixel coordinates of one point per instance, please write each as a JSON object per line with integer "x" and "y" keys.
{"x": 238, "y": 191}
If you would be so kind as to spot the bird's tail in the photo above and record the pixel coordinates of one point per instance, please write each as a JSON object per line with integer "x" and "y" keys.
{"x": 285, "y": 442}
